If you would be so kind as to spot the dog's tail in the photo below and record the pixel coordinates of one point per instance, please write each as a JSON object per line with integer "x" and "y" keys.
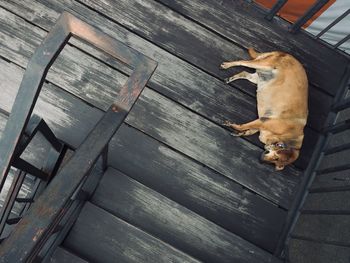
{"x": 252, "y": 53}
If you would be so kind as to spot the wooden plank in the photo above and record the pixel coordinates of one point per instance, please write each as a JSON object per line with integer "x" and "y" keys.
{"x": 62, "y": 255}
{"x": 207, "y": 50}
{"x": 101, "y": 237}
{"x": 73, "y": 70}
{"x": 339, "y": 139}
{"x": 331, "y": 202}
{"x": 302, "y": 251}
{"x": 203, "y": 94}
{"x": 172, "y": 223}
{"x": 335, "y": 159}
{"x": 221, "y": 17}
{"x": 53, "y": 203}
{"x": 336, "y": 180}
{"x": 3, "y": 120}
{"x": 35, "y": 154}
{"x": 70, "y": 118}
{"x": 326, "y": 228}
{"x": 170, "y": 131}
{"x": 224, "y": 18}
{"x": 211, "y": 145}
{"x": 196, "y": 187}
{"x": 204, "y": 90}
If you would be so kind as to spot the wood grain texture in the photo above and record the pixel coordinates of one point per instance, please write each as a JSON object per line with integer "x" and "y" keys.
{"x": 211, "y": 145}
{"x": 336, "y": 159}
{"x": 101, "y": 237}
{"x": 339, "y": 138}
{"x": 302, "y": 251}
{"x": 196, "y": 187}
{"x": 203, "y": 94}
{"x": 329, "y": 228}
{"x": 63, "y": 256}
{"x": 331, "y": 180}
{"x": 70, "y": 118}
{"x": 325, "y": 67}
{"x": 170, "y": 133}
{"x": 173, "y": 32}
{"x": 173, "y": 77}
{"x": 35, "y": 153}
{"x": 329, "y": 201}
{"x": 172, "y": 223}
{"x": 73, "y": 70}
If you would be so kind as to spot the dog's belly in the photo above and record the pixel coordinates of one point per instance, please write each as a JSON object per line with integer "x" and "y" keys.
{"x": 264, "y": 92}
{"x": 264, "y": 102}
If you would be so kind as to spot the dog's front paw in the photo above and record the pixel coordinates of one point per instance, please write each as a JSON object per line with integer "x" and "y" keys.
{"x": 235, "y": 126}
{"x": 228, "y": 80}
{"x": 236, "y": 134}
{"x": 227, "y": 123}
{"x": 225, "y": 65}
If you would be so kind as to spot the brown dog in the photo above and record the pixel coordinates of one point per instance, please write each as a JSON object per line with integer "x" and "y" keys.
{"x": 282, "y": 95}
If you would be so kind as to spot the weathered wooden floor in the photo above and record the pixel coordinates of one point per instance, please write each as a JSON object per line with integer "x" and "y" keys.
{"x": 173, "y": 148}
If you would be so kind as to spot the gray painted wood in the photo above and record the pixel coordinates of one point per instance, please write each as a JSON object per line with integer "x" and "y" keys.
{"x": 207, "y": 50}
{"x": 211, "y": 145}
{"x": 336, "y": 159}
{"x": 328, "y": 201}
{"x": 3, "y": 120}
{"x": 203, "y": 94}
{"x": 172, "y": 223}
{"x": 324, "y": 67}
{"x": 330, "y": 228}
{"x": 339, "y": 138}
{"x": 73, "y": 70}
{"x": 331, "y": 180}
{"x": 301, "y": 251}
{"x": 73, "y": 137}
{"x": 34, "y": 154}
{"x": 61, "y": 255}
{"x": 70, "y": 118}
{"x": 101, "y": 237}
{"x": 196, "y": 187}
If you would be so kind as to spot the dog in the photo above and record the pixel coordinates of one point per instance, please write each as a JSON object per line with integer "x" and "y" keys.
{"x": 282, "y": 102}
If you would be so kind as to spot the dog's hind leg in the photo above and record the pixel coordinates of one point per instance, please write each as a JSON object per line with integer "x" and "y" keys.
{"x": 262, "y": 63}
{"x": 253, "y": 125}
{"x": 239, "y": 130}
{"x": 245, "y": 133}
{"x": 252, "y": 77}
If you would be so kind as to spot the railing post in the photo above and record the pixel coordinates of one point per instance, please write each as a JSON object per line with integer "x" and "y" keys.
{"x": 274, "y": 10}
{"x": 308, "y": 14}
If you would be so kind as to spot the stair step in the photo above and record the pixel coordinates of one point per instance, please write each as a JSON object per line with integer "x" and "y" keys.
{"x": 174, "y": 224}
{"x": 204, "y": 191}
{"x": 61, "y": 255}
{"x": 305, "y": 251}
{"x": 101, "y": 237}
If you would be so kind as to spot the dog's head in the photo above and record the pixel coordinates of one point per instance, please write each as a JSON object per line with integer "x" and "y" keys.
{"x": 280, "y": 154}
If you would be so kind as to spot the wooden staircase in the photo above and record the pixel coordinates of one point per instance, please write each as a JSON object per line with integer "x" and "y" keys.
{"x": 126, "y": 221}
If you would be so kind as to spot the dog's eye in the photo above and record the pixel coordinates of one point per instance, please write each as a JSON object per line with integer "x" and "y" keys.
{"x": 280, "y": 145}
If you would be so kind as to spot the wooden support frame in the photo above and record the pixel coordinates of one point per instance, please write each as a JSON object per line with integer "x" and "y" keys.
{"x": 30, "y": 235}
{"x": 39, "y": 65}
